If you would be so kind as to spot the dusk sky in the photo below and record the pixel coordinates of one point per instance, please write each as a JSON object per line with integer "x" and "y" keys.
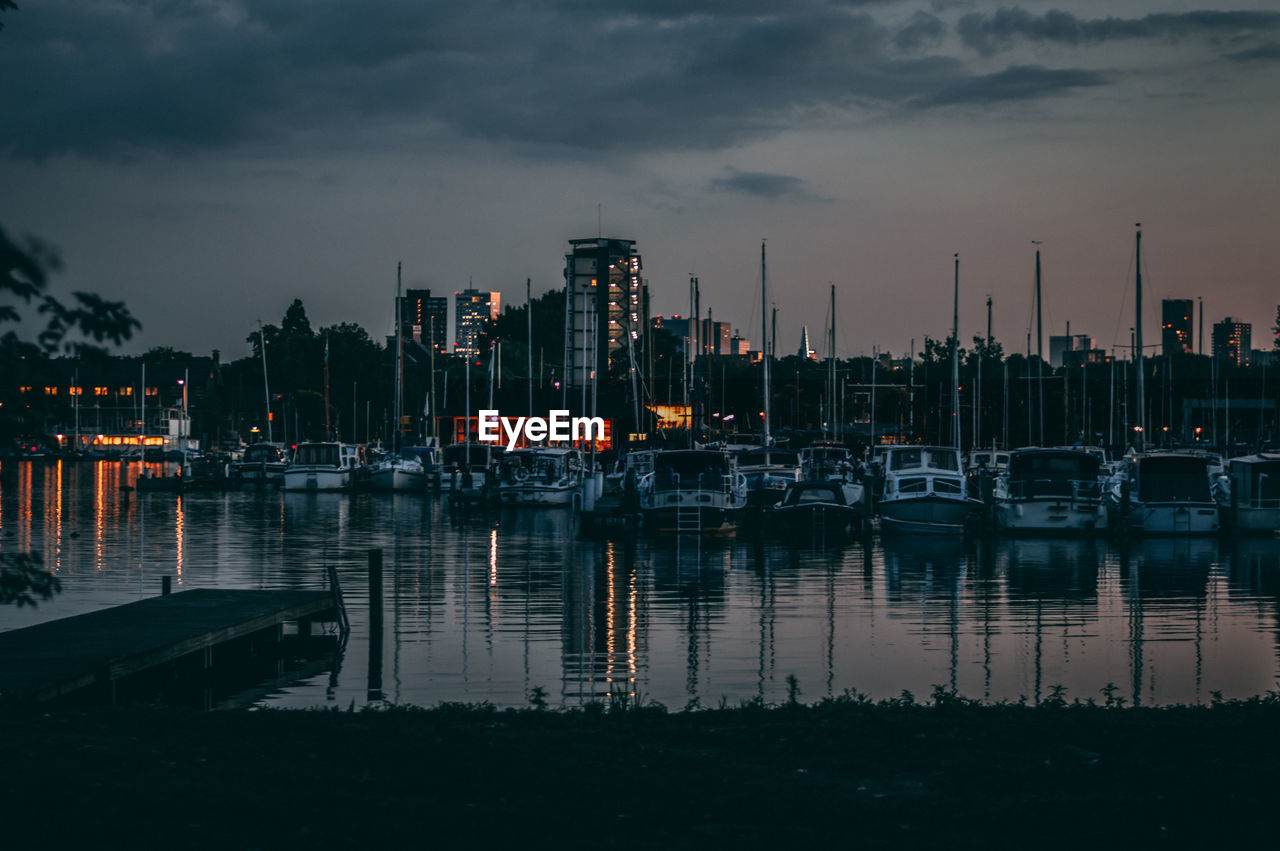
{"x": 208, "y": 162}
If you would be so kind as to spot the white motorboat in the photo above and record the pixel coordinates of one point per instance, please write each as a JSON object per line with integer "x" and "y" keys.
{"x": 1165, "y": 493}
{"x": 541, "y": 476}
{"x": 323, "y": 467}
{"x": 924, "y": 491}
{"x": 1047, "y": 491}
{"x": 692, "y": 490}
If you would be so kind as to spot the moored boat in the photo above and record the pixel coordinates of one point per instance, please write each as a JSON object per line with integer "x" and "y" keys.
{"x": 1254, "y": 493}
{"x": 324, "y": 466}
{"x": 924, "y": 491}
{"x": 1050, "y": 491}
{"x": 692, "y": 490}
{"x": 1165, "y": 493}
{"x": 813, "y": 505}
{"x": 541, "y": 476}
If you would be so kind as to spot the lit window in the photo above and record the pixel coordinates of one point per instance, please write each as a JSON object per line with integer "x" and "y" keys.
{"x": 51, "y": 391}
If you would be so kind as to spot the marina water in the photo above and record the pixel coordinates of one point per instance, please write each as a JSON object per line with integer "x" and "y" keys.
{"x": 498, "y": 607}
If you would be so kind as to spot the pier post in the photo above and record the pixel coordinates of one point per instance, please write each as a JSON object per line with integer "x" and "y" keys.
{"x": 166, "y": 585}
{"x": 375, "y": 625}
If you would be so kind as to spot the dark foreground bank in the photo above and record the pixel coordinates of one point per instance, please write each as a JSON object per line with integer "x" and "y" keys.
{"x": 948, "y": 774}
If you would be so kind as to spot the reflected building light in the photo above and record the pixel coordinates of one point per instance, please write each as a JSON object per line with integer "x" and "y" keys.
{"x": 179, "y": 524}
{"x": 493, "y": 557}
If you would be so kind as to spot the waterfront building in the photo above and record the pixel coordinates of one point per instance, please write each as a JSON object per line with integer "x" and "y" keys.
{"x": 1175, "y": 328}
{"x": 607, "y": 302}
{"x": 1231, "y": 340}
{"x": 471, "y": 309}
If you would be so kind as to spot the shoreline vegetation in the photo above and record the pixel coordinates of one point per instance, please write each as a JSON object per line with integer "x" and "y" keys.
{"x": 631, "y": 774}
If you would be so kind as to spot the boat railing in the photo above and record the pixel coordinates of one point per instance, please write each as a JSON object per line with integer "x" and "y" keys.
{"x": 1074, "y": 489}
{"x": 707, "y": 481}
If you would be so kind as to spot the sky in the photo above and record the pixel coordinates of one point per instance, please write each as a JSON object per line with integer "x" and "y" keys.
{"x": 208, "y": 161}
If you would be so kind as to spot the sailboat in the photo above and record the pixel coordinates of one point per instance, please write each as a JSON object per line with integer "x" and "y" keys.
{"x": 402, "y": 470}
{"x": 1161, "y": 493}
{"x": 924, "y": 486}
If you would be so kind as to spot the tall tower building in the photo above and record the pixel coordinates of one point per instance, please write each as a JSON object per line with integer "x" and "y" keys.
{"x": 424, "y": 318}
{"x": 1175, "y": 327}
{"x": 471, "y": 309}
{"x": 1232, "y": 340}
{"x": 607, "y": 304}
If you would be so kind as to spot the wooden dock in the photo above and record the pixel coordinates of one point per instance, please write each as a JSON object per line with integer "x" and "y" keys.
{"x": 97, "y": 649}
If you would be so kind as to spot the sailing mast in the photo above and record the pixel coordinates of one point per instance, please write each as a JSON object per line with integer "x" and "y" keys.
{"x": 831, "y": 368}
{"x": 764, "y": 333}
{"x": 528, "y": 307}
{"x": 399, "y": 401}
{"x": 328, "y": 433}
{"x": 1039, "y": 355}
{"x": 955, "y": 360}
{"x": 1137, "y": 345}
{"x": 262, "y": 344}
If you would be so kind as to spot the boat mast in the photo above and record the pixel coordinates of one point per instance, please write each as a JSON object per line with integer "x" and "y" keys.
{"x": 328, "y": 432}
{"x": 262, "y": 344}
{"x": 431, "y": 337}
{"x": 399, "y": 401}
{"x": 831, "y": 367}
{"x": 955, "y": 360}
{"x": 764, "y": 332}
{"x": 142, "y": 416}
{"x": 1039, "y": 355}
{"x": 528, "y": 306}
{"x": 1137, "y": 345}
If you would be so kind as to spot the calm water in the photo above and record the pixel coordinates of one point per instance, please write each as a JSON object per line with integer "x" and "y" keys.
{"x": 487, "y": 609}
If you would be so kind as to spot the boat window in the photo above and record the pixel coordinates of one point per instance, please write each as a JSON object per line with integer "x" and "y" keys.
{"x": 905, "y": 459}
{"x": 913, "y": 486}
{"x": 1170, "y": 479}
{"x": 752, "y": 459}
{"x": 943, "y": 459}
{"x": 317, "y": 454}
{"x": 980, "y": 458}
{"x": 808, "y": 495}
{"x": 946, "y": 486}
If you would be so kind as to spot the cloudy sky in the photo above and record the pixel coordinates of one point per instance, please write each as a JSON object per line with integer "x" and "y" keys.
{"x": 209, "y": 161}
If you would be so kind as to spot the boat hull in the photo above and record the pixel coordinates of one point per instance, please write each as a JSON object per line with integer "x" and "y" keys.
{"x": 1051, "y": 516}
{"x": 397, "y": 480}
{"x": 316, "y": 479}
{"x": 535, "y": 495}
{"x": 1257, "y": 520}
{"x": 1184, "y": 518}
{"x": 930, "y": 515}
{"x": 818, "y": 516}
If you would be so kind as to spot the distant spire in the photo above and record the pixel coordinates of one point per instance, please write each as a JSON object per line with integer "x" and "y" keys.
{"x": 806, "y": 351}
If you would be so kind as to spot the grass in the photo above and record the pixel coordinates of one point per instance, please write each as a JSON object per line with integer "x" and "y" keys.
{"x": 849, "y": 770}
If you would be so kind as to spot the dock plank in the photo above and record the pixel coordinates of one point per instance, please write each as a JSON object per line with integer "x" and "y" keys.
{"x": 58, "y": 657}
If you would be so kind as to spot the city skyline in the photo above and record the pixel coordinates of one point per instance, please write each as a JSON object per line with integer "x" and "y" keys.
{"x": 229, "y": 158}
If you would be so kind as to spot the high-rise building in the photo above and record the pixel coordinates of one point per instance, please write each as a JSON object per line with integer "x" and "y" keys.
{"x": 471, "y": 309}
{"x": 1175, "y": 327}
{"x": 424, "y": 318}
{"x": 677, "y": 326}
{"x": 715, "y": 337}
{"x": 1061, "y": 346}
{"x": 607, "y": 301}
{"x": 1232, "y": 340}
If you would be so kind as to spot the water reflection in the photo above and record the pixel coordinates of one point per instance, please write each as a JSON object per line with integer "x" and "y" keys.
{"x": 491, "y": 608}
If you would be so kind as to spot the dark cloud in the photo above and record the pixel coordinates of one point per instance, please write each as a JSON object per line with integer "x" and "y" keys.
{"x": 108, "y": 79}
{"x": 999, "y": 30}
{"x": 1017, "y": 82}
{"x": 923, "y": 29}
{"x": 761, "y": 184}
{"x": 1269, "y": 52}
